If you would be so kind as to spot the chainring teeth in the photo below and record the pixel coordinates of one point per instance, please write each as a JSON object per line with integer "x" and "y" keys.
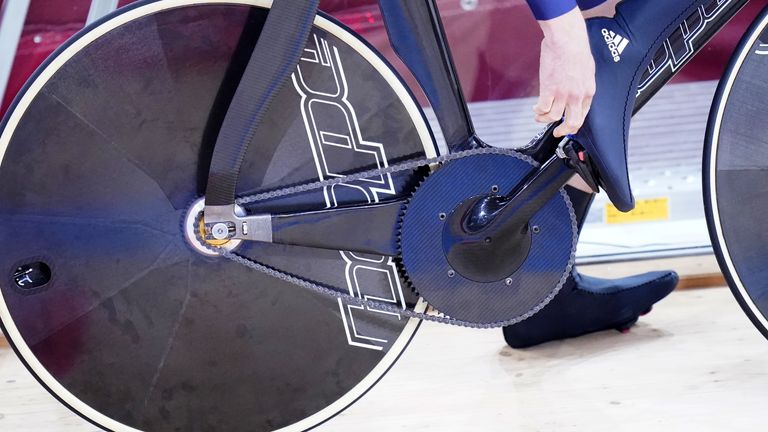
{"x": 399, "y": 260}
{"x": 421, "y": 273}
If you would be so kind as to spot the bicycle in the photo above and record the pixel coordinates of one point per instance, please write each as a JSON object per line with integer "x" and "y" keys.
{"x": 308, "y": 276}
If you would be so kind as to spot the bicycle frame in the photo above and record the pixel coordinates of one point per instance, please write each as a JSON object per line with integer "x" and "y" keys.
{"x": 418, "y": 37}
{"x": 261, "y": 296}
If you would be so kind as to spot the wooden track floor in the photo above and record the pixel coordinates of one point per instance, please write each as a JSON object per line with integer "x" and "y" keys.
{"x": 694, "y": 364}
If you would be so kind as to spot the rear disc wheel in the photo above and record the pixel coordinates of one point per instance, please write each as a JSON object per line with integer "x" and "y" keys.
{"x": 101, "y": 157}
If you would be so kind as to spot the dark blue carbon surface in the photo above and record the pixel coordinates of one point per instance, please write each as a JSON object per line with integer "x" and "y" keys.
{"x": 534, "y": 284}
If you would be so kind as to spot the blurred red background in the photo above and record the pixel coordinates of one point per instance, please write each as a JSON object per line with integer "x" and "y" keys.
{"x": 495, "y": 45}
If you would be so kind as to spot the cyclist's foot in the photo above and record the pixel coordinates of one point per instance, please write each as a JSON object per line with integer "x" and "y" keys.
{"x": 587, "y": 305}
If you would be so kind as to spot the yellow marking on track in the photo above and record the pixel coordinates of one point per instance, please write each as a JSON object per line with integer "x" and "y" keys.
{"x": 646, "y": 210}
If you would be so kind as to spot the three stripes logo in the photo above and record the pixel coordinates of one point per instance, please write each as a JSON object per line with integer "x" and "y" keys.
{"x": 762, "y": 49}
{"x": 616, "y": 43}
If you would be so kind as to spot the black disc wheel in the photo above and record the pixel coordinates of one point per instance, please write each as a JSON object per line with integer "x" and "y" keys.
{"x": 101, "y": 157}
{"x": 736, "y": 174}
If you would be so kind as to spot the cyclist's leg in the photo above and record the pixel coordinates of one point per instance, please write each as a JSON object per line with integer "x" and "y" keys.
{"x": 586, "y": 304}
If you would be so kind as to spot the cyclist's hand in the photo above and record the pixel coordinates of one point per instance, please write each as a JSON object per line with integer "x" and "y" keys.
{"x": 567, "y": 73}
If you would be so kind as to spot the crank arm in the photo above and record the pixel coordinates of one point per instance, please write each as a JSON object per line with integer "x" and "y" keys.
{"x": 370, "y": 228}
{"x": 519, "y": 206}
{"x": 544, "y": 184}
{"x": 494, "y": 215}
{"x": 497, "y": 229}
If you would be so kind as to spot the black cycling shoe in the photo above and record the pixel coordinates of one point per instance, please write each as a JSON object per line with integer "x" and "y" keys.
{"x": 587, "y": 304}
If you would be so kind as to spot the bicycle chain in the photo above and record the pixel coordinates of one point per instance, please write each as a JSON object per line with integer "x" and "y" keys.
{"x": 404, "y": 166}
{"x": 372, "y": 304}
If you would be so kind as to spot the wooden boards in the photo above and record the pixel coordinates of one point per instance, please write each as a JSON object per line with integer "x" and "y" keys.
{"x": 695, "y": 363}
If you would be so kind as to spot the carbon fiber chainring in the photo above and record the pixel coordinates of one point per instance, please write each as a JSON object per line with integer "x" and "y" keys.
{"x": 511, "y": 299}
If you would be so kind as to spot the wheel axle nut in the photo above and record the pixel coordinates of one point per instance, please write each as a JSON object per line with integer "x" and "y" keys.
{"x": 220, "y": 231}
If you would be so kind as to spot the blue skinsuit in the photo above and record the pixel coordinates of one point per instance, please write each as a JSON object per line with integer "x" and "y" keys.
{"x": 547, "y": 9}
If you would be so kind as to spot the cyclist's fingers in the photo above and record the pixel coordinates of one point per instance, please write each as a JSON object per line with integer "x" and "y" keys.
{"x": 554, "y": 114}
{"x": 587, "y": 104}
{"x": 574, "y": 119}
{"x": 544, "y": 105}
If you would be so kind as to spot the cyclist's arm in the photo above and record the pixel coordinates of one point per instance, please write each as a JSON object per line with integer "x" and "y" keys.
{"x": 545, "y": 10}
{"x": 567, "y": 69}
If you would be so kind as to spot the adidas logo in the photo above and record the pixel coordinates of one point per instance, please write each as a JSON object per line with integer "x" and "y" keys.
{"x": 616, "y": 43}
